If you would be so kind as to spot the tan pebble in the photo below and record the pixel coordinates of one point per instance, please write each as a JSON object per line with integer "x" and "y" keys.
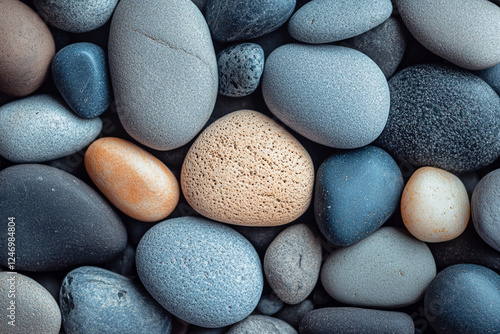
{"x": 135, "y": 181}
{"x": 435, "y": 205}
{"x": 245, "y": 169}
{"x": 26, "y": 49}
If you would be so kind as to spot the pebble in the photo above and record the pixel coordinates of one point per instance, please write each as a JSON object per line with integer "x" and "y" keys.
{"x": 429, "y": 126}
{"x": 491, "y": 76}
{"x": 32, "y": 308}
{"x": 356, "y": 193}
{"x": 245, "y": 169}
{"x": 262, "y": 324}
{"x": 26, "y": 49}
{"x": 385, "y": 44}
{"x": 136, "y": 182}
{"x": 60, "y": 221}
{"x": 74, "y": 15}
{"x": 353, "y": 320}
{"x": 293, "y": 314}
{"x": 388, "y": 269}
{"x": 326, "y": 21}
{"x": 40, "y": 128}
{"x": 227, "y": 23}
{"x": 163, "y": 71}
{"x": 240, "y": 68}
{"x": 203, "y": 272}
{"x": 333, "y": 95}
{"x": 260, "y": 237}
{"x": 464, "y": 299}
{"x": 95, "y": 300}
{"x": 435, "y": 205}
{"x": 468, "y": 31}
{"x": 486, "y": 209}
{"x": 123, "y": 264}
{"x": 269, "y": 304}
{"x": 80, "y": 74}
{"x": 292, "y": 263}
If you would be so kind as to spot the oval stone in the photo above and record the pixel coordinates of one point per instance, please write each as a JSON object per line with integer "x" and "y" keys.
{"x": 305, "y": 86}
{"x": 34, "y": 311}
{"x": 135, "y": 181}
{"x": 468, "y": 30}
{"x": 388, "y": 269}
{"x": 356, "y": 193}
{"x": 26, "y": 49}
{"x": 40, "y": 128}
{"x": 95, "y": 300}
{"x": 435, "y": 205}
{"x": 245, "y": 169}
{"x": 163, "y": 71}
{"x": 292, "y": 263}
{"x": 463, "y": 299}
{"x": 203, "y": 272}
{"x": 326, "y": 21}
{"x": 262, "y": 324}
{"x": 486, "y": 209}
{"x": 60, "y": 221}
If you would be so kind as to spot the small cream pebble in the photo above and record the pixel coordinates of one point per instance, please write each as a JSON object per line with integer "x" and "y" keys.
{"x": 435, "y": 205}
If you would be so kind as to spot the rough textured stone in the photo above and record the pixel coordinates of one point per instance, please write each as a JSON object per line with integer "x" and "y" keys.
{"x": 262, "y": 324}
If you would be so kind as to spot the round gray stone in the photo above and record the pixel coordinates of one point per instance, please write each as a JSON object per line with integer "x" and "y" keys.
{"x": 387, "y": 269}
{"x": 163, "y": 71}
{"x": 41, "y": 128}
{"x": 262, "y": 324}
{"x": 468, "y": 30}
{"x": 292, "y": 263}
{"x": 333, "y": 95}
{"x": 75, "y": 15}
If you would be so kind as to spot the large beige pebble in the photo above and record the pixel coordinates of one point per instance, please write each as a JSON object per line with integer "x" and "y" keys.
{"x": 435, "y": 205}
{"x": 245, "y": 169}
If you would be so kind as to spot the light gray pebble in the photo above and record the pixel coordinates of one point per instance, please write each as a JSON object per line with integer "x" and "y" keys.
{"x": 262, "y": 324}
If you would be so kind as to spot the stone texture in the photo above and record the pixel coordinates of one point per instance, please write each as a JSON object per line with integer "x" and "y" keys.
{"x": 293, "y": 314}
{"x": 269, "y": 304}
{"x": 262, "y": 324}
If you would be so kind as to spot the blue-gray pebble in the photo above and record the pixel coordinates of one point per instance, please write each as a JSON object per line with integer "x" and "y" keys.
{"x": 492, "y": 77}
{"x": 40, "y": 128}
{"x": 240, "y": 68}
{"x": 356, "y": 192}
{"x": 333, "y": 95}
{"x": 485, "y": 207}
{"x": 293, "y": 314}
{"x": 95, "y": 300}
{"x": 262, "y": 324}
{"x": 269, "y": 304}
{"x": 464, "y": 299}
{"x": 60, "y": 221}
{"x": 239, "y": 20}
{"x": 202, "y": 272}
{"x": 80, "y": 73}
{"x": 326, "y": 21}
{"x": 74, "y": 15}
{"x": 443, "y": 117}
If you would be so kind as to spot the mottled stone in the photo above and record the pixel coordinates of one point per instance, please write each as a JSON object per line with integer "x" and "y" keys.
{"x": 262, "y": 324}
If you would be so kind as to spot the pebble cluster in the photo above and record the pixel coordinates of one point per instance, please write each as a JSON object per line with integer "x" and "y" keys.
{"x": 249, "y": 167}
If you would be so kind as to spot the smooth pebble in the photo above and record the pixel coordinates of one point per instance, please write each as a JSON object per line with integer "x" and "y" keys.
{"x": 491, "y": 76}
{"x": 293, "y": 314}
{"x": 269, "y": 304}
{"x": 262, "y": 324}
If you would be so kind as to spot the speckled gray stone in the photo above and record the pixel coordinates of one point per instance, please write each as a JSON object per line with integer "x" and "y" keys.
{"x": 95, "y": 300}
{"x": 387, "y": 269}
{"x": 163, "y": 71}
{"x": 203, "y": 272}
{"x": 75, "y": 15}
{"x": 292, "y": 263}
{"x": 468, "y": 30}
{"x": 262, "y": 324}
{"x": 293, "y": 314}
{"x": 240, "y": 68}
{"x": 269, "y": 304}
{"x": 385, "y": 44}
{"x": 485, "y": 206}
{"x": 443, "y": 117}
{"x": 34, "y": 309}
{"x": 326, "y": 21}
{"x": 40, "y": 128}
{"x": 333, "y": 95}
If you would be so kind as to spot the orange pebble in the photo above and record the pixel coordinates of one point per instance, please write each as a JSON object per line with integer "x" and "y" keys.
{"x": 135, "y": 181}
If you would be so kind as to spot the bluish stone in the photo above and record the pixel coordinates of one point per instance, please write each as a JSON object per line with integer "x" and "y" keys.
{"x": 239, "y": 20}
{"x": 326, "y": 21}
{"x": 356, "y": 192}
{"x": 464, "y": 299}
{"x": 80, "y": 73}
{"x": 269, "y": 304}
{"x": 444, "y": 117}
{"x": 492, "y": 77}
{"x": 95, "y": 300}
{"x": 203, "y": 272}
{"x": 333, "y": 95}
{"x": 293, "y": 314}
{"x": 240, "y": 68}
{"x": 262, "y": 324}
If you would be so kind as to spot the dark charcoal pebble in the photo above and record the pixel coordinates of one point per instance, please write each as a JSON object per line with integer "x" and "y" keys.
{"x": 293, "y": 314}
